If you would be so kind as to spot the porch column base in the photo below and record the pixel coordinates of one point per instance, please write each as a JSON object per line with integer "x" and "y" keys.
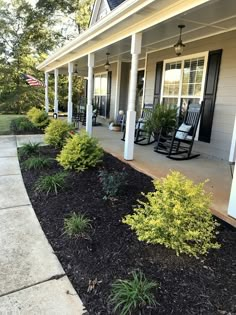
{"x": 129, "y": 135}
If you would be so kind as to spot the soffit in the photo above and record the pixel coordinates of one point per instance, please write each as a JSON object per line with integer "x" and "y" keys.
{"x": 211, "y": 18}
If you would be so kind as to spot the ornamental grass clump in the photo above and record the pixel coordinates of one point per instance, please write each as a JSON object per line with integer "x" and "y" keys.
{"x": 76, "y": 224}
{"x": 51, "y": 183}
{"x": 80, "y": 152}
{"x": 131, "y": 296}
{"x": 37, "y": 163}
{"x": 29, "y": 149}
{"x": 57, "y": 132}
{"x": 177, "y": 216}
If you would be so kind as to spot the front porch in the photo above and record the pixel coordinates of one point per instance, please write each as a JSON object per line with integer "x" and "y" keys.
{"x": 157, "y": 165}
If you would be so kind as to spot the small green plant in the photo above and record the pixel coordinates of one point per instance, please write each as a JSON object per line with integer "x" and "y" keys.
{"x": 38, "y": 117}
{"x": 80, "y": 152}
{"x": 131, "y": 296}
{"x": 51, "y": 183}
{"x": 177, "y": 216}
{"x": 111, "y": 182}
{"x": 37, "y": 163}
{"x": 57, "y": 132}
{"x": 22, "y": 124}
{"x": 163, "y": 117}
{"x": 76, "y": 224}
{"x": 29, "y": 149}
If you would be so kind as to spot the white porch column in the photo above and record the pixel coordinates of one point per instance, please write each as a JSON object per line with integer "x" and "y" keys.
{"x": 232, "y": 199}
{"x": 131, "y": 114}
{"x": 56, "y": 91}
{"x": 46, "y": 92}
{"x": 70, "y": 105}
{"x": 232, "y": 159}
{"x": 117, "y": 97}
{"x": 89, "y": 110}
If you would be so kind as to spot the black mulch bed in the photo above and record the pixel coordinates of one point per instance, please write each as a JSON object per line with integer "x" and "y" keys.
{"x": 111, "y": 250}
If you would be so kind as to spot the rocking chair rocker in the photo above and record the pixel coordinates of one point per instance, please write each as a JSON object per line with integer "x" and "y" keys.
{"x": 178, "y": 144}
{"x": 142, "y": 137}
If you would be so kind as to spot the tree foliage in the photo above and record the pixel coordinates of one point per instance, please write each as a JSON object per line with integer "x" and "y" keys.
{"x": 28, "y": 34}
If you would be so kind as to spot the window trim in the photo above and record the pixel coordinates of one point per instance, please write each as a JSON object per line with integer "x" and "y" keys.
{"x": 182, "y": 58}
{"x": 204, "y": 54}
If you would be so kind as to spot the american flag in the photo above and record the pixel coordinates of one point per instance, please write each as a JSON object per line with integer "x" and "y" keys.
{"x": 32, "y": 81}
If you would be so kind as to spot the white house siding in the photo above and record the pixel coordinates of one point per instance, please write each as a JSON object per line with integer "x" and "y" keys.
{"x": 124, "y": 85}
{"x": 113, "y": 69}
{"x": 225, "y": 106}
{"x": 141, "y": 64}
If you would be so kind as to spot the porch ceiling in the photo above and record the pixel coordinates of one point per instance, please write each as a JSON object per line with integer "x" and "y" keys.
{"x": 204, "y": 20}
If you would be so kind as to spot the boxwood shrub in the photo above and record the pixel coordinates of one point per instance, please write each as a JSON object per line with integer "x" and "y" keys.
{"x": 80, "y": 152}
{"x": 177, "y": 216}
{"x": 57, "y": 132}
{"x": 38, "y": 117}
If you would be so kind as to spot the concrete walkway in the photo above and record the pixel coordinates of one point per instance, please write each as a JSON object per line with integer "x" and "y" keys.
{"x": 32, "y": 281}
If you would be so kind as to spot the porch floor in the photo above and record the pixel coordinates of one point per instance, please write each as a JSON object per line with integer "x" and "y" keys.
{"x": 157, "y": 165}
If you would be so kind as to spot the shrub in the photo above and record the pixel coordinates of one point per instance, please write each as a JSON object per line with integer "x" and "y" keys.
{"x": 29, "y": 149}
{"x": 76, "y": 224}
{"x": 38, "y": 117}
{"x": 130, "y": 296}
{"x": 176, "y": 215}
{"x": 22, "y": 124}
{"x": 51, "y": 183}
{"x": 37, "y": 162}
{"x": 80, "y": 152}
{"x": 111, "y": 182}
{"x": 57, "y": 132}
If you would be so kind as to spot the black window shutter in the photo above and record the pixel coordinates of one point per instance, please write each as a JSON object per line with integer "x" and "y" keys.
{"x": 108, "y": 94}
{"x": 212, "y": 76}
{"x": 157, "y": 88}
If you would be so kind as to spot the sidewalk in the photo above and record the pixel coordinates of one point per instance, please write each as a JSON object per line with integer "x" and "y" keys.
{"x": 32, "y": 280}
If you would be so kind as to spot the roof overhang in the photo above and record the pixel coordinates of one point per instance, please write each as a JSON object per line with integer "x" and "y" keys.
{"x": 157, "y": 20}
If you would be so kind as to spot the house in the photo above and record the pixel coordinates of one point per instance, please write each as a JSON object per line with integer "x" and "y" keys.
{"x": 138, "y": 37}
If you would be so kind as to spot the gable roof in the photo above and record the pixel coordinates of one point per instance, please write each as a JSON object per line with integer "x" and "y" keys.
{"x": 114, "y": 3}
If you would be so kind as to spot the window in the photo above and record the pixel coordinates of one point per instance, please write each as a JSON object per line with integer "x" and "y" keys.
{"x": 100, "y": 84}
{"x": 183, "y": 79}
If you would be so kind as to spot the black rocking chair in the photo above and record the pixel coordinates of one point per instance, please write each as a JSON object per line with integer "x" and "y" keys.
{"x": 142, "y": 137}
{"x": 178, "y": 144}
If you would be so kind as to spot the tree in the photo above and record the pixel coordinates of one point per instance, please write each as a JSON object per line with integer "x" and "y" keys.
{"x": 27, "y": 34}
{"x": 79, "y": 11}
{"x": 25, "y": 37}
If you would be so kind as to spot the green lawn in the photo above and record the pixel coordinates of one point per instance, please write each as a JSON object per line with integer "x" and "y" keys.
{"x": 5, "y": 121}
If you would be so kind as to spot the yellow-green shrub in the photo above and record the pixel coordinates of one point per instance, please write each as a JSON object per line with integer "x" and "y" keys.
{"x": 80, "y": 152}
{"x": 38, "y": 117}
{"x": 57, "y": 132}
{"x": 176, "y": 215}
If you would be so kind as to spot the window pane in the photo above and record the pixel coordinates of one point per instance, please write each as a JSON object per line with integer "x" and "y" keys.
{"x": 103, "y": 84}
{"x": 192, "y": 74}
{"x": 172, "y": 78}
{"x": 170, "y": 101}
{"x": 97, "y": 85}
